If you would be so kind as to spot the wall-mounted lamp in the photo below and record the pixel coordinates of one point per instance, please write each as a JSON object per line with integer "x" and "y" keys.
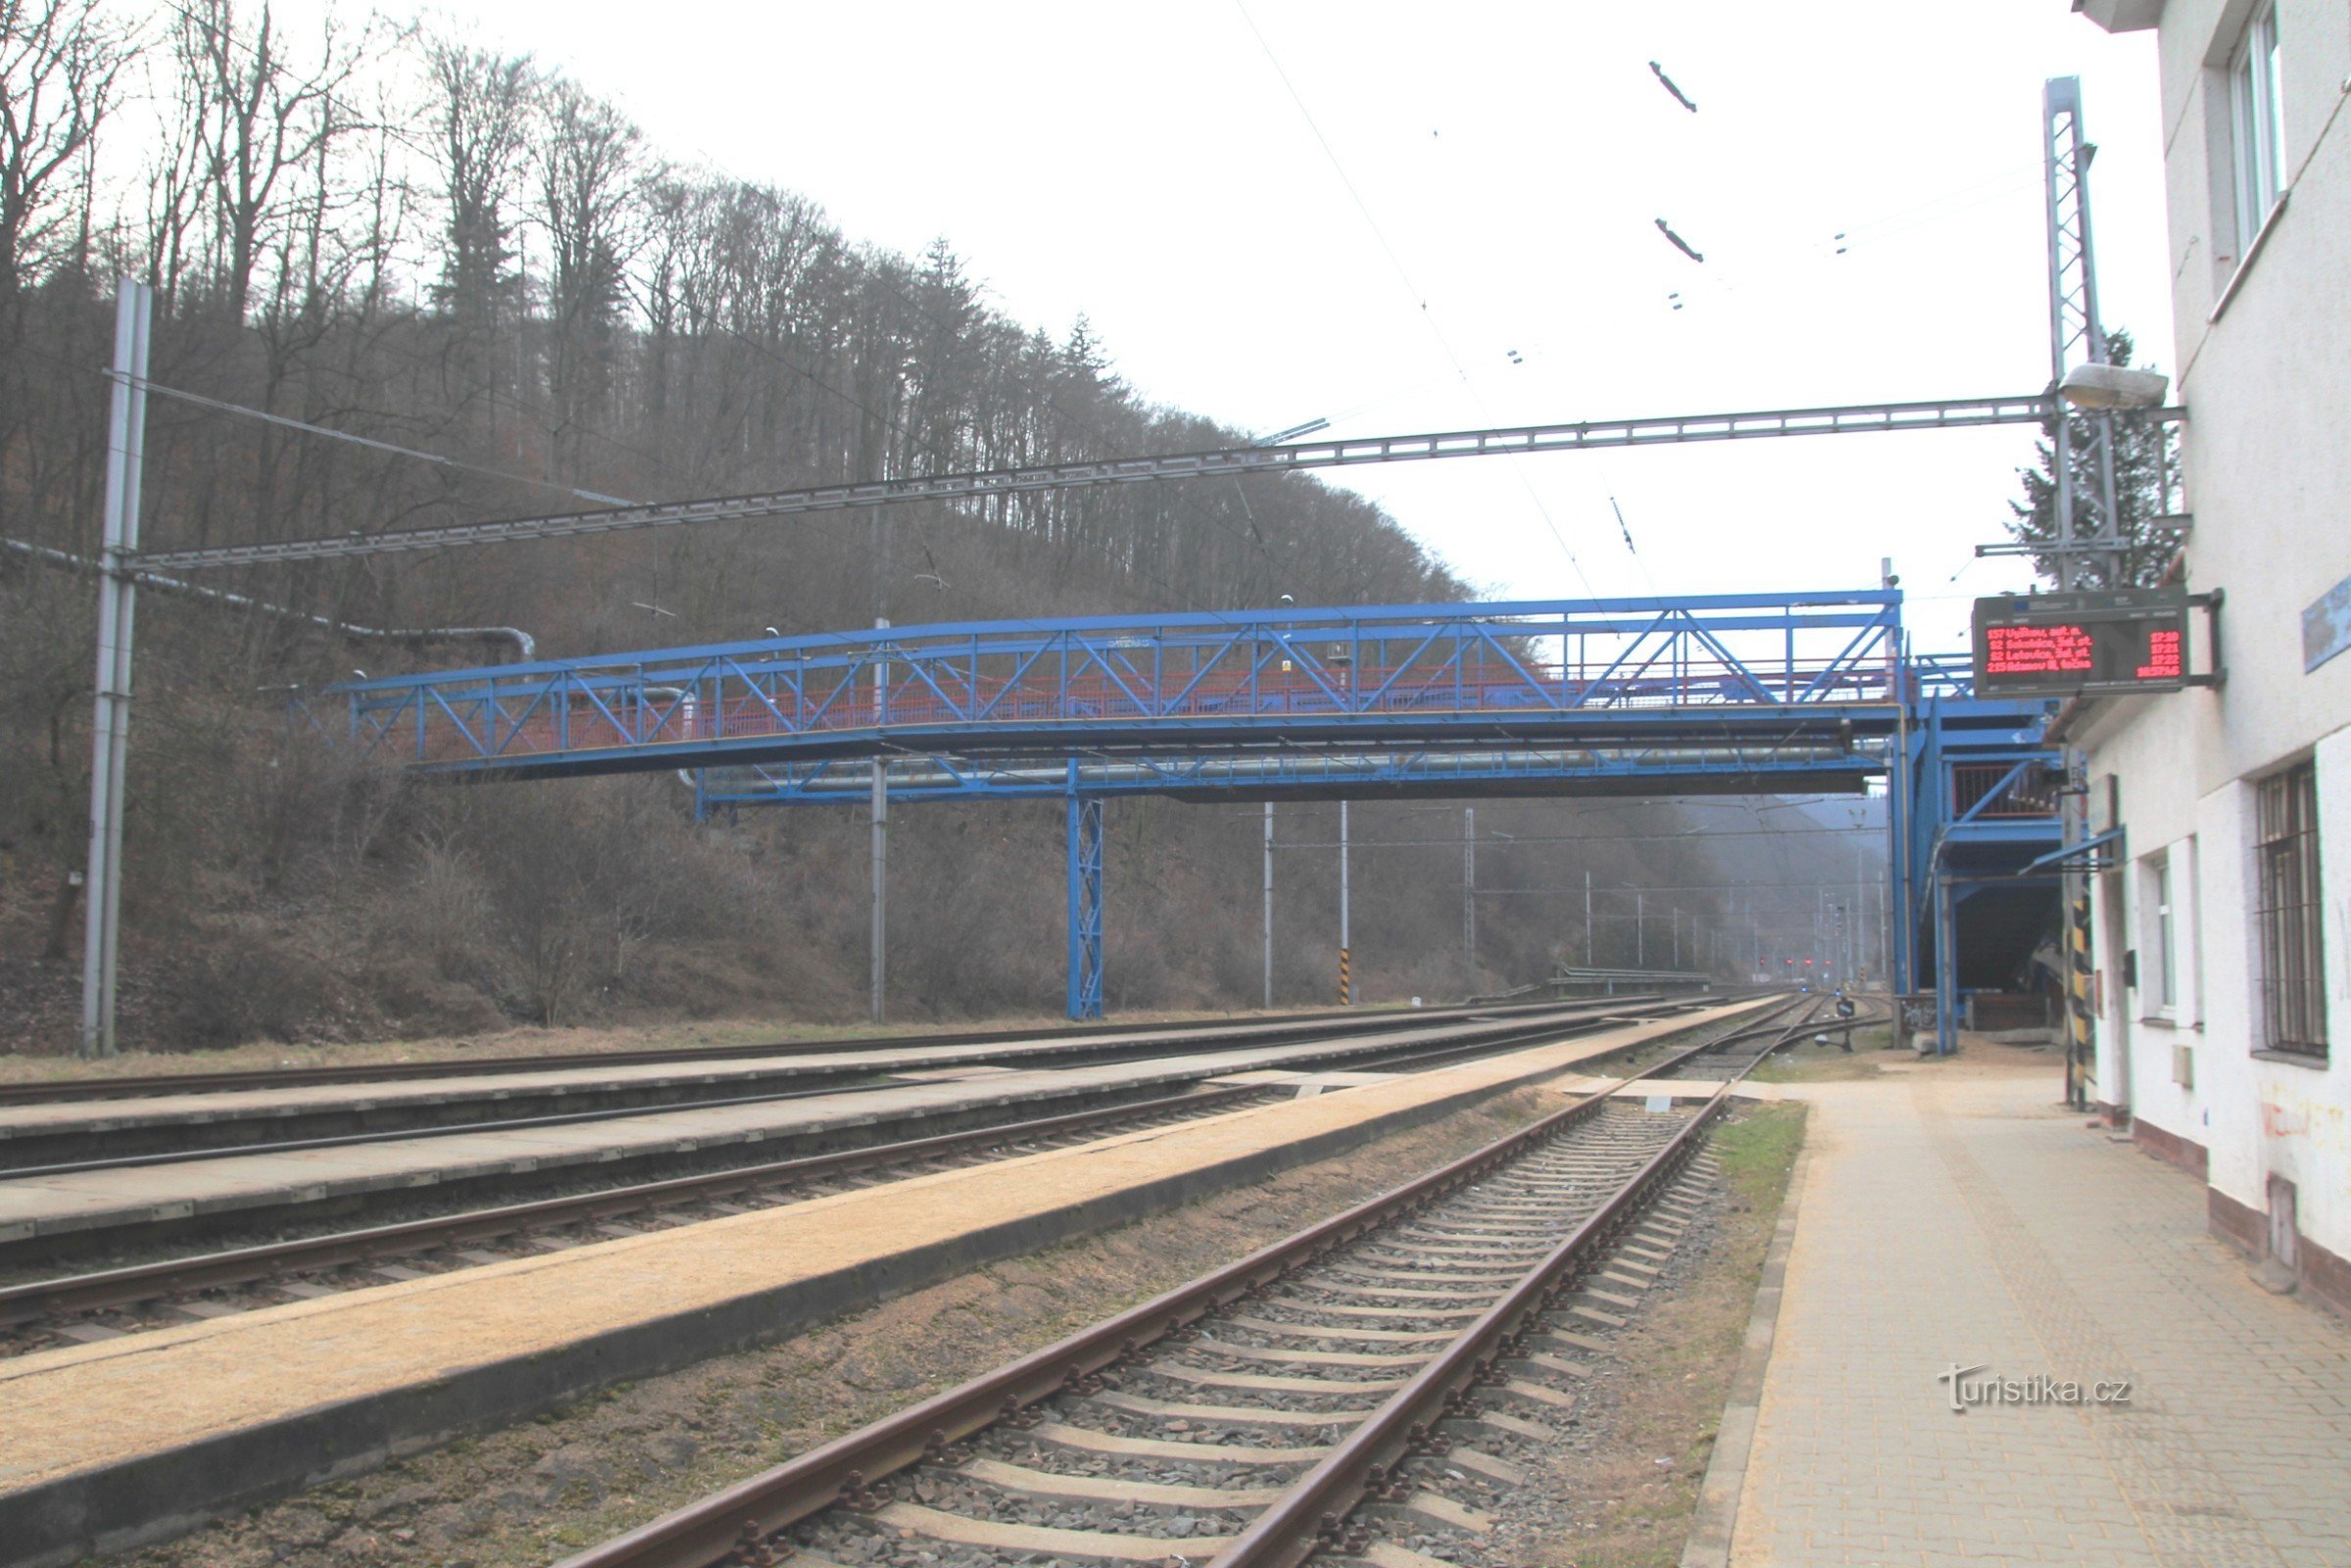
{"x": 2113, "y": 386}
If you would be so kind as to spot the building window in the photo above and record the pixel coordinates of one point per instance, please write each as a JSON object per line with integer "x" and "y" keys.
{"x": 2163, "y": 946}
{"x": 2255, "y": 124}
{"x": 2292, "y": 974}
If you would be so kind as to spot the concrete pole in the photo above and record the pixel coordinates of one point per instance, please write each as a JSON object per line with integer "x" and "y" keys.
{"x": 1640, "y": 931}
{"x": 1346, "y": 986}
{"x": 880, "y": 941}
{"x": 1469, "y": 890}
{"x": 110, "y": 733}
{"x": 1589, "y": 961}
{"x": 1269, "y": 904}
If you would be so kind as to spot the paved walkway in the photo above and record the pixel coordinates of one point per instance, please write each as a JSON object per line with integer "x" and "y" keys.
{"x": 1952, "y": 1213}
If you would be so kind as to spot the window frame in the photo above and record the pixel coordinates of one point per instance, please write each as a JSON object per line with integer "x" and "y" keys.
{"x": 2161, "y": 937}
{"x": 2289, "y": 914}
{"x": 2256, "y": 128}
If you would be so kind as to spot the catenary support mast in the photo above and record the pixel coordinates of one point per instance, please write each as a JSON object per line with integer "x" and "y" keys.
{"x": 117, "y": 603}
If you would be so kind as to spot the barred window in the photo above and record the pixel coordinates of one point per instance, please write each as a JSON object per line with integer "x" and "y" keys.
{"x": 2292, "y": 974}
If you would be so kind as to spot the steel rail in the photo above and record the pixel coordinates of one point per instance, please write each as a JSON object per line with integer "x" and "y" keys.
{"x": 849, "y": 1468}
{"x": 863, "y": 1079}
{"x": 452, "y": 1129}
{"x": 147, "y": 1282}
{"x": 1368, "y": 1463}
{"x": 1942, "y": 414}
{"x": 138, "y": 1283}
{"x": 148, "y": 1086}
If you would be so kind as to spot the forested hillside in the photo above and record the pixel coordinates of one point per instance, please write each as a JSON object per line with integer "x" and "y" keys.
{"x": 390, "y": 233}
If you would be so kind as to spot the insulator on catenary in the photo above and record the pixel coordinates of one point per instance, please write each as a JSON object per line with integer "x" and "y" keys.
{"x": 1678, "y": 243}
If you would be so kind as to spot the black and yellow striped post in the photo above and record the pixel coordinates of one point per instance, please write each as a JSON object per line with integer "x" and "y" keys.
{"x": 1346, "y": 986}
{"x": 2080, "y": 986}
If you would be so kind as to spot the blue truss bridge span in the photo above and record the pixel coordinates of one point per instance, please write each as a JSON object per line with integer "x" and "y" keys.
{"x": 1759, "y": 672}
{"x": 1749, "y": 693}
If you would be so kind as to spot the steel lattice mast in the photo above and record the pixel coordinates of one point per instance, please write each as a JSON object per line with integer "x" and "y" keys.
{"x": 2089, "y": 526}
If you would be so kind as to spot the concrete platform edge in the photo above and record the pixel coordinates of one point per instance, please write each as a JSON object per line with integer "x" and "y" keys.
{"x": 167, "y": 1493}
{"x": 1715, "y": 1521}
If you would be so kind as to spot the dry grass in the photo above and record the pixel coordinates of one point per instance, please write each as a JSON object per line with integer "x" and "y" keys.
{"x": 1807, "y": 1062}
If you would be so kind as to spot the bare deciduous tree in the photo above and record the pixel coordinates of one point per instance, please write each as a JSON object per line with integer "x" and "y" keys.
{"x": 255, "y": 115}
{"x": 432, "y": 245}
{"x": 483, "y": 109}
{"x": 60, "y": 60}
{"x": 588, "y": 192}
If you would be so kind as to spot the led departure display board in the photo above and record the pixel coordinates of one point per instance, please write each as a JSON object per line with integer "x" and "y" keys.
{"x": 2059, "y": 644}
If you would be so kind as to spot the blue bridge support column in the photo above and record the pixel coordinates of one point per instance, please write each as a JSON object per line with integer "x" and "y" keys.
{"x": 1085, "y": 903}
{"x": 1946, "y": 965}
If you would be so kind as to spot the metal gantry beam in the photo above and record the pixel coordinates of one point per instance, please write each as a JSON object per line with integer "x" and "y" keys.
{"x": 1940, "y": 414}
{"x": 1425, "y": 774}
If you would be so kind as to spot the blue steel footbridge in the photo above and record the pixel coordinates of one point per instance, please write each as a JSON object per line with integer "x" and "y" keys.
{"x": 1749, "y": 693}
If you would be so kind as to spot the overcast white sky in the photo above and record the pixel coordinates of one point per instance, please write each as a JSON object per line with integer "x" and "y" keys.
{"x": 1144, "y": 163}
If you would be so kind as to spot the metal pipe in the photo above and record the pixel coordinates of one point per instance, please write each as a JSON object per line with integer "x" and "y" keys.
{"x": 1338, "y": 769}
{"x": 526, "y": 646}
{"x": 685, "y": 775}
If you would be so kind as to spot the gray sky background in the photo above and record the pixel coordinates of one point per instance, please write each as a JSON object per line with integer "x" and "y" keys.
{"x": 1146, "y": 165}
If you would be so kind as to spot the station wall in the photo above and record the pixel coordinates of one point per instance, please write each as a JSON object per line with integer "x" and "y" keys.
{"x": 2263, "y": 330}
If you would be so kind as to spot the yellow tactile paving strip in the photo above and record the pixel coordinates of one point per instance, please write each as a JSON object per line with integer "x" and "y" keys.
{"x": 88, "y": 1407}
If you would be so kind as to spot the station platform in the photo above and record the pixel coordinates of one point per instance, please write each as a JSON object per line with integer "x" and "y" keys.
{"x": 105, "y": 1445}
{"x": 788, "y": 1065}
{"x": 1952, "y": 1214}
{"x": 34, "y": 1206}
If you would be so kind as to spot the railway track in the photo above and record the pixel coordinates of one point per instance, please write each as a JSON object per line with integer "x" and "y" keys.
{"x": 248, "y": 1206}
{"x": 113, "y": 1302}
{"x": 148, "y": 1086}
{"x": 119, "y": 1132}
{"x": 108, "y": 1305}
{"x": 1382, "y": 1362}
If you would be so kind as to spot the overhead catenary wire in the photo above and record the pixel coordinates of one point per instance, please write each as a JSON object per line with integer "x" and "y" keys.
{"x": 1411, "y": 288}
{"x": 438, "y": 459}
{"x": 522, "y": 640}
{"x": 279, "y": 70}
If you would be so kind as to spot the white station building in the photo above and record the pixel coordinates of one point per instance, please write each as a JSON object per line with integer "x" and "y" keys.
{"x": 2222, "y": 928}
